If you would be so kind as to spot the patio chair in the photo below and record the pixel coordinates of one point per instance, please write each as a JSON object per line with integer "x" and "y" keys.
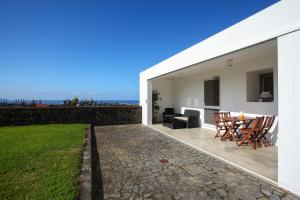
{"x": 226, "y": 114}
{"x": 268, "y": 123}
{"x": 193, "y": 120}
{"x": 190, "y": 119}
{"x": 168, "y": 115}
{"x": 250, "y": 135}
{"x": 220, "y": 123}
{"x": 232, "y": 125}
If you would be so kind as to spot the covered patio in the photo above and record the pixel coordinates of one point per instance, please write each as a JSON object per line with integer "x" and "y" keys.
{"x": 262, "y": 162}
{"x": 232, "y": 83}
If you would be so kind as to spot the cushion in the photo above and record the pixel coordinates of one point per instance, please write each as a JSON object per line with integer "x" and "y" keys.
{"x": 182, "y": 118}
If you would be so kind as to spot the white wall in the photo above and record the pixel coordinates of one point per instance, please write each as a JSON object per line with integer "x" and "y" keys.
{"x": 189, "y": 90}
{"x": 233, "y": 93}
{"x": 165, "y": 88}
{"x": 146, "y": 99}
{"x": 289, "y": 111}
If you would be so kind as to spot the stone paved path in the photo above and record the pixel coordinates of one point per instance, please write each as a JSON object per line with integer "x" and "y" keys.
{"x": 140, "y": 163}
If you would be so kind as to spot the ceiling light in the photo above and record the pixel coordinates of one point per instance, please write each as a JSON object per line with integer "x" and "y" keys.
{"x": 230, "y": 62}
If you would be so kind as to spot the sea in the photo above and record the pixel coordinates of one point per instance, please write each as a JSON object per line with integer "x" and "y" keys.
{"x": 59, "y": 102}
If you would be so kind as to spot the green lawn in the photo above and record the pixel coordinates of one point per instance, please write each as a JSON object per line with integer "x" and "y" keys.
{"x": 41, "y": 161}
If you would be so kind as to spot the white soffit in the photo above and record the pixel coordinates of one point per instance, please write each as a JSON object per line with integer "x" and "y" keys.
{"x": 276, "y": 20}
{"x": 265, "y": 49}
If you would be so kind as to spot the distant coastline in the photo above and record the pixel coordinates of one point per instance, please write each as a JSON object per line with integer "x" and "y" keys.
{"x": 60, "y": 102}
{"x": 123, "y": 102}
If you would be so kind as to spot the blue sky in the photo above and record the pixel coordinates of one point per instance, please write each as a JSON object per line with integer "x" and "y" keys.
{"x": 57, "y": 49}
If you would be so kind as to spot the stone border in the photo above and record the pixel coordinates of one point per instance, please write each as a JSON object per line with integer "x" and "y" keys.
{"x": 85, "y": 178}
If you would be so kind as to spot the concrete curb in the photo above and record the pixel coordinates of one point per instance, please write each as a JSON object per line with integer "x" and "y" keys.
{"x": 85, "y": 178}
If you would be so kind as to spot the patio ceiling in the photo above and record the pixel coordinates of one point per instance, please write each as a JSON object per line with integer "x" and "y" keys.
{"x": 231, "y": 60}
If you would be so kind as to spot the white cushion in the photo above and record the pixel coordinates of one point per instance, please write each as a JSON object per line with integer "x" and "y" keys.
{"x": 182, "y": 118}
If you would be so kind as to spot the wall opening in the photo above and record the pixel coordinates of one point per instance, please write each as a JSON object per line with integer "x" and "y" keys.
{"x": 260, "y": 86}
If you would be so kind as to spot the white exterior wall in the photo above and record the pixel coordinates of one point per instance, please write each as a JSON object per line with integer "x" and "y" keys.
{"x": 165, "y": 88}
{"x": 189, "y": 90}
{"x": 289, "y": 110}
{"x": 146, "y": 100}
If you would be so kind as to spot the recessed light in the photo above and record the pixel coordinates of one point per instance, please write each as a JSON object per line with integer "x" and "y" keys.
{"x": 229, "y": 62}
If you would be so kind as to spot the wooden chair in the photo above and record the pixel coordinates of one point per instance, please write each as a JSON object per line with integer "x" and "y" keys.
{"x": 220, "y": 123}
{"x": 233, "y": 125}
{"x": 268, "y": 123}
{"x": 226, "y": 114}
{"x": 250, "y": 135}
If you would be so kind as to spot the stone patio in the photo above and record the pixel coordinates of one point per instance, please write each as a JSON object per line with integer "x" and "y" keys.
{"x": 138, "y": 162}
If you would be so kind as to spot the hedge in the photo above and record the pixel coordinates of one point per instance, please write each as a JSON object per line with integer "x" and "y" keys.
{"x": 101, "y": 115}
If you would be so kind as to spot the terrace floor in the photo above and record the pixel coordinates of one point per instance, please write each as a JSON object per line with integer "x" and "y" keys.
{"x": 262, "y": 161}
{"x": 138, "y": 162}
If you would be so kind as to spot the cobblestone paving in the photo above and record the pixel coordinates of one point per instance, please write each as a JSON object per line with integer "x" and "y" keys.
{"x": 140, "y": 163}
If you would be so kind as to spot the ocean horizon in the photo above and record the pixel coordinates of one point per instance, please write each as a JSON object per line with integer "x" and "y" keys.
{"x": 59, "y": 102}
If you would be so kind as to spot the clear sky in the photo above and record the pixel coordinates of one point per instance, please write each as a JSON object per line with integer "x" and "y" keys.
{"x": 57, "y": 49}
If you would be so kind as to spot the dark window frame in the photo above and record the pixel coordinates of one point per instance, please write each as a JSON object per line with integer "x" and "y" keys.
{"x": 262, "y": 83}
{"x": 212, "y": 99}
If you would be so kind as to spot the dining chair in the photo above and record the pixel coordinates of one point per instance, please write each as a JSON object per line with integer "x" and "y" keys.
{"x": 219, "y": 123}
{"x": 226, "y": 114}
{"x": 234, "y": 125}
{"x": 268, "y": 123}
{"x": 250, "y": 135}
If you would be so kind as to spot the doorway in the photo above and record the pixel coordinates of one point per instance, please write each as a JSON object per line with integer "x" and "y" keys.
{"x": 211, "y": 99}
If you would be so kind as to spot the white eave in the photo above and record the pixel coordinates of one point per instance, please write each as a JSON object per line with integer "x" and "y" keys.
{"x": 274, "y": 21}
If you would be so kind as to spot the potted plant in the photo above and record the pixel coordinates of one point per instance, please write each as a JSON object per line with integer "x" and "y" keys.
{"x": 155, "y": 106}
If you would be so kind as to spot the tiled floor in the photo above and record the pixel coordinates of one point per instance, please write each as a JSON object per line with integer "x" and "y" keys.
{"x": 262, "y": 161}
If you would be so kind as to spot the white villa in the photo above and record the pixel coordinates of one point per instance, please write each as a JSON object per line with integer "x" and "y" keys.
{"x": 228, "y": 72}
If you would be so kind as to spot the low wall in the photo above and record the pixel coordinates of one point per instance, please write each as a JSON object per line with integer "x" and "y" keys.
{"x": 102, "y": 115}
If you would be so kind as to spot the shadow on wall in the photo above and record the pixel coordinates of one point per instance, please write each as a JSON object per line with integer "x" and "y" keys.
{"x": 193, "y": 102}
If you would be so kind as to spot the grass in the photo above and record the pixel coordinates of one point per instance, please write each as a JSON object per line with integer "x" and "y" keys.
{"x": 41, "y": 161}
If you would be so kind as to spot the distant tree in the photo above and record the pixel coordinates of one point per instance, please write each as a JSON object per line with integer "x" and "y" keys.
{"x": 87, "y": 102}
{"x": 74, "y": 102}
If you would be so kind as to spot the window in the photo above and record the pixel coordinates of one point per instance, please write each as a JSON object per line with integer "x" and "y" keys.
{"x": 266, "y": 83}
{"x": 212, "y": 92}
{"x": 260, "y": 86}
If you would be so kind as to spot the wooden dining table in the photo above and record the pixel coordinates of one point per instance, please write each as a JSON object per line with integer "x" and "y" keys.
{"x": 233, "y": 123}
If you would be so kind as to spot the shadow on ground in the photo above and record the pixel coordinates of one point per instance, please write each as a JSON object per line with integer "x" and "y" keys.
{"x": 97, "y": 186}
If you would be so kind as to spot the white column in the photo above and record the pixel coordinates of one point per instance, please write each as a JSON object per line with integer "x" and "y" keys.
{"x": 289, "y": 111}
{"x": 146, "y": 99}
